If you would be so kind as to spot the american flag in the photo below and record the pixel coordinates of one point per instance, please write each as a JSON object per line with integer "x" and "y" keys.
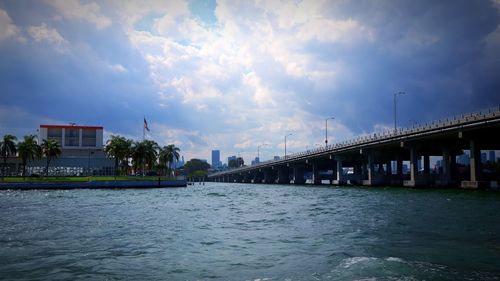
{"x": 146, "y": 124}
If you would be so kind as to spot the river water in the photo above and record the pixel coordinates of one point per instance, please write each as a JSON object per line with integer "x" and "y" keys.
{"x": 250, "y": 232}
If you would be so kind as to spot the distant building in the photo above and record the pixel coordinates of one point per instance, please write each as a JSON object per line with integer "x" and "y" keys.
{"x": 463, "y": 159}
{"x": 405, "y": 169}
{"x": 231, "y": 158}
{"x": 255, "y": 161}
{"x": 491, "y": 156}
{"x": 439, "y": 164}
{"x": 216, "y": 159}
{"x": 276, "y": 158}
{"x": 180, "y": 163}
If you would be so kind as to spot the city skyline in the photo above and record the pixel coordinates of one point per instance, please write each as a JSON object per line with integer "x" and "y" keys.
{"x": 234, "y": 76}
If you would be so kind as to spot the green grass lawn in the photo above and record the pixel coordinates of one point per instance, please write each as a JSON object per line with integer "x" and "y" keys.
{"x": 93, "y": 178}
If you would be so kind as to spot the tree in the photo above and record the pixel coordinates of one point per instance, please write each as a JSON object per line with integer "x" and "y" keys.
{"x": 144, "y": 154}
{"x": 51, "y": 149}
{"x": 28, "y": 149}
{"x": 118, "y": 148}
{"x": 236, "y": 163}
{"x": 7, "y": 148}
{"x": 168, "y": 154}
{"x": 195, "y": 167}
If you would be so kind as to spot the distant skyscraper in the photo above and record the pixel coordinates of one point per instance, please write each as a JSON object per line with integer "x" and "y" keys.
{"x": 231, "y": 158}
{"x": 256, "y": 161}
{"x": 215, "y": 158}
{"x": 180, "y": 163}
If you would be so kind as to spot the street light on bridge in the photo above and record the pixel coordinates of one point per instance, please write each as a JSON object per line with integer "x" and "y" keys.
{"x": 258, "y": 148}
{"x": 285, "y": 142}
{"x": 395, "y": 116}
{"x": 326, "y": 130}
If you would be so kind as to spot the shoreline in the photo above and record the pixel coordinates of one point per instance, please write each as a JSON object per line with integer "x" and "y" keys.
{"x": 93, "y": 184}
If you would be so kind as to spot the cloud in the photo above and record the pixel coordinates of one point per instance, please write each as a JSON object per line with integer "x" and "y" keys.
{"x": 44, "y": 34}
{"x": 117, "y": 68}
{"x": 7, "y": 28}
{"x": 256, "y": 71}
{"x": 74, "y": 9}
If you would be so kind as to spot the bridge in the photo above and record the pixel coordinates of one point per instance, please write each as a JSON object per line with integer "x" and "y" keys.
{"x": 379, "y": 159}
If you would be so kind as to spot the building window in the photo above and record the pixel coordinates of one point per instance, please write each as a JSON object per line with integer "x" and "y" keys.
{"x": 71, "y": 137}
{"x": 89, "y": 138}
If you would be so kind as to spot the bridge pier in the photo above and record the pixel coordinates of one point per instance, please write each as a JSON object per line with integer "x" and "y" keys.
{"x": 316, "y": 180}
{"x": 413, "y": 169}
{"x": 298, "y": 175}
{"x": 368, "y": 171}
{"x": 475, "y": 168}
{"x": 370, "y": 176}
{"x": 340, "y": 179}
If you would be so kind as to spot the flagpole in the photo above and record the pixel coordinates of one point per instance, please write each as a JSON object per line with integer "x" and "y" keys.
{"x": 144, "y": 129}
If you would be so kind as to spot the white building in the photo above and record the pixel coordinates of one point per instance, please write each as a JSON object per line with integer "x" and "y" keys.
{"x": 75, "y": 141}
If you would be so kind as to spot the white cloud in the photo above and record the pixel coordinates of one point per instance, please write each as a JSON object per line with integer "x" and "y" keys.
{"x": 7, "y": 28}
{"x": 74, "y": 9}
{"x": 117, "y": 68}
{"x": 223, "y": 70}
{"x": 44, "y": 34}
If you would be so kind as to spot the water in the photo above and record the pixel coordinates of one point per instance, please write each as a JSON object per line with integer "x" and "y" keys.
{"x": 250, "y": 232}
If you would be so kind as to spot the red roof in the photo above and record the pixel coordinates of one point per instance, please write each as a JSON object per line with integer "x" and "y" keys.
{"x": 71, "y": 127}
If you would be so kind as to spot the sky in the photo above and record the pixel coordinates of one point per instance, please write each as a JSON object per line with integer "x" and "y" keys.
{"x": 238, "y": 75}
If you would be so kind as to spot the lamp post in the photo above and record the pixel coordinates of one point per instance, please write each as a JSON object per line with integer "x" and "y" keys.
{"x": 285, "y": 142}
{"x": 258, "y": 149}
{"x": 326, "y": 130}
{"x": 395, "y": 116}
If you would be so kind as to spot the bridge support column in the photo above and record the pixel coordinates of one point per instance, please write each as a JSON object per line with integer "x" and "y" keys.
{"x": 369, "y": 171}
{"x": 340, "y": 176}
{"x": 445, "y": 176}
{"x": 475, "y": 171}
{"x": 427, "y": 165}
{"x": 315, "y": 174}
{"x": 399, "y": 166}
{"x": 413, "y": 169}
{"x": 283, "y": 176}
{"x": 425, "y": 177}
{"x": 298, "y": 175}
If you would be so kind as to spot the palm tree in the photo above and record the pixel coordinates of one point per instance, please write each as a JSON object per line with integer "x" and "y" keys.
{"x": 168, "y": 154}
{"x": 27, "y": 150}
{"x": 7, "y": 148}
{"x": 144, "y": 154}
{"x": 118, "y": 148}
{"x": 51, "y": 149}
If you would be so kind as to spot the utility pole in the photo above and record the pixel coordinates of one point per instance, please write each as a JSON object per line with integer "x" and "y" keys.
{"x": 326, "y": 130}
{"x": 395, "y": 115}
{"x": 285, "y": 142}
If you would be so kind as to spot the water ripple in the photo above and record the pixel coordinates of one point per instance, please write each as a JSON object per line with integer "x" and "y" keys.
{"x": 249, "y": 232}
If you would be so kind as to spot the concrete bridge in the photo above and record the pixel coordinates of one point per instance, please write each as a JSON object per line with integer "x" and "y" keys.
{"x": 379, "y": 159}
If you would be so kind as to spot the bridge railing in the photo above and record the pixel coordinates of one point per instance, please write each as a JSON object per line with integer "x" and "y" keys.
{"x": 386, "y": 135}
